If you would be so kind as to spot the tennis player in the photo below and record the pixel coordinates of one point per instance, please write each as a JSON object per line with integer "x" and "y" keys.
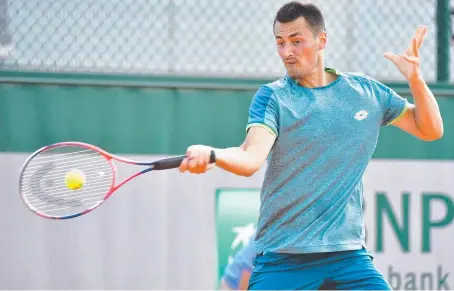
{"x": 318, "y": 127}
{"x": 237, "y": 273}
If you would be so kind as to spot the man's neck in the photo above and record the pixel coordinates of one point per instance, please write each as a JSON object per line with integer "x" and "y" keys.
{"x": 318, "y": 78}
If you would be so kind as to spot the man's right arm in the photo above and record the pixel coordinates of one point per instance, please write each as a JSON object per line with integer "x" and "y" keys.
{"x": 248, "y": 158}
{"x": 245, "y": 160}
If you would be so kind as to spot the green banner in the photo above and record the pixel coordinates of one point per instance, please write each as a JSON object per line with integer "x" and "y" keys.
{"x": 237, "y": 213}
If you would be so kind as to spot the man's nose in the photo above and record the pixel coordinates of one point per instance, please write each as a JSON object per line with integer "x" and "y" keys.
{"x": 287, "y": 51}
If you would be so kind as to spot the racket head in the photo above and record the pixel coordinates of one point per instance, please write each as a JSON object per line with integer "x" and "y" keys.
{"x": 66, "y": 180}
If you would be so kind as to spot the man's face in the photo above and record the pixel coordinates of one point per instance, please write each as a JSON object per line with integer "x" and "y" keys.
{"x": 298, "y": 47}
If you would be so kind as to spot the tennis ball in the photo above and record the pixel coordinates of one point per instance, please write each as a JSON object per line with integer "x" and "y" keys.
{"x": 75, "y": 179}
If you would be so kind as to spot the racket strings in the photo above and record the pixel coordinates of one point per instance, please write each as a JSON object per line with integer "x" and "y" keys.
{"x": 82, "y": 162}
{"x": 45, "y": 188}
{"x": 44, "y": 155}
{"x": 90, "y": 158}
{"x": 63, "y": 193}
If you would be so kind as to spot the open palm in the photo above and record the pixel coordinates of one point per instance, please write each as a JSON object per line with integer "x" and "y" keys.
{"x": 408, "y": 62}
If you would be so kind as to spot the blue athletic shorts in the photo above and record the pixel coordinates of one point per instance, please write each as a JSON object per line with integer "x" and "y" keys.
{"x": 346, "y": 270}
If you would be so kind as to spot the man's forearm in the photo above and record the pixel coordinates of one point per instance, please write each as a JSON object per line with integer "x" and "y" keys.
{"x": 237, "y": 161}
{"x": 427, "y": 112}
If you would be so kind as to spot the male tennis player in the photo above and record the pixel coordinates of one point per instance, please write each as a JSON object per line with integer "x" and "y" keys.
{"x": 237, "y": 273}
{"x": 319, "y": 129}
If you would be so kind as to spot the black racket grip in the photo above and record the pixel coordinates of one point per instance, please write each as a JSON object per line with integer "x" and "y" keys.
{"x": 168, "y": 163}
{"x": 175, "y": 162}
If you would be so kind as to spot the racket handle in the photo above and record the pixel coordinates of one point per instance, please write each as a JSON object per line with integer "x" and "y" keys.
{"x": 175, "y": 162}
{"x": 168, "y": 163}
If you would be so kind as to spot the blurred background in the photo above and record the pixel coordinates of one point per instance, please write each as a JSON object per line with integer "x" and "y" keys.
{"x": 148, "y": 78}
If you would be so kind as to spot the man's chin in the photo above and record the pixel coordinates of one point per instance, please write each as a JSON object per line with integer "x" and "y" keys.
{"x": 293, "y": 74}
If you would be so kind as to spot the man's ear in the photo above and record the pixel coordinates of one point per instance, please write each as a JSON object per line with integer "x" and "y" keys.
{"x": 323, "y": 37}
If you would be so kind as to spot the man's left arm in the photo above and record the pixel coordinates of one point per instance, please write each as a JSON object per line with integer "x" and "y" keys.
{"x": 423, "y": 119}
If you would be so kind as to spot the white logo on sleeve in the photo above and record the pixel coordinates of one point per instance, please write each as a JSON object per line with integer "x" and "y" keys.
{"x": 360, "y": 115}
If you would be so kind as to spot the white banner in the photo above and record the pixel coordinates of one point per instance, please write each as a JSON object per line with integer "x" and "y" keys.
{"x": 409, "y": 215}
{"x": 409, "y": 218}
{"x": 159, "y": 231}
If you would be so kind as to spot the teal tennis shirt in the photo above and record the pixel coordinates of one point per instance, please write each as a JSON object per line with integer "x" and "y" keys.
{"x": 312, "y": 194}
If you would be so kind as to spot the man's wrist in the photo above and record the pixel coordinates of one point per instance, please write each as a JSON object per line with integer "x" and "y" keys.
{"x": 416, "y": 82}
{"x": 212, "y": 156}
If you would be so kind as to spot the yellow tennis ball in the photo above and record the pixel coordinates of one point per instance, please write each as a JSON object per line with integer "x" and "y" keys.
{"x": 75, "y": 179}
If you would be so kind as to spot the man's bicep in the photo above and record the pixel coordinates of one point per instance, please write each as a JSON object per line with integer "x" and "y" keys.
{"x": 407, "y": 122}
{"x": 259, "y": 142}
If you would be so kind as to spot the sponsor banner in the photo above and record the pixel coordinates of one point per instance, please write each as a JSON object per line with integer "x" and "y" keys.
{"x": 409, "y": 216}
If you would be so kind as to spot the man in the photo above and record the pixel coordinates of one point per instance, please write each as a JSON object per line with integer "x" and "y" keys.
{"x": 319, "y": 129}
{"x": 237, "y": 273}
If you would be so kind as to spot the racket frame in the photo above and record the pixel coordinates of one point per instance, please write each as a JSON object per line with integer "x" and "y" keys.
{"x": 108, "y": 156}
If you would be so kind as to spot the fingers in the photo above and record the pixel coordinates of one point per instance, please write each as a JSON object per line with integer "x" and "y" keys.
{"x": 184, "y": 165}
{"x": 193, "y": 163}
{"x": 413, "y": 60}
{"x": 197, "y": 160}
{"x": 194, "y": 166}
{"x": 415, "y": 47}
{"x": 423, "y": 35}
{"x": 395, "y": 58}
{"x": 390, "y": 56}
{"x": 419, "y": 36}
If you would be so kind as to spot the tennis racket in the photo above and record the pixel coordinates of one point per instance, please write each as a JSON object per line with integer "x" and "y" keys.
{"x": 69, "y": 179}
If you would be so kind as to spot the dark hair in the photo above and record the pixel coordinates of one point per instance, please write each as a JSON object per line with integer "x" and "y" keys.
{"x": 295, "y": 9}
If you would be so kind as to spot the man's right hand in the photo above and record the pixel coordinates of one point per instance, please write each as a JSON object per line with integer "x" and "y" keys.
{"x": 197, "y": 160}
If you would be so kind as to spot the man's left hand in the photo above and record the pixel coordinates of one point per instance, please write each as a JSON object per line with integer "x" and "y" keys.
{"x": 408, "y": 62}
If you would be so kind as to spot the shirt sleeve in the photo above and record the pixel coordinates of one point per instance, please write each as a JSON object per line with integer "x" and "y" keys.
{"x": 392, "y": 105}
{"x": 263, "y": 111}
